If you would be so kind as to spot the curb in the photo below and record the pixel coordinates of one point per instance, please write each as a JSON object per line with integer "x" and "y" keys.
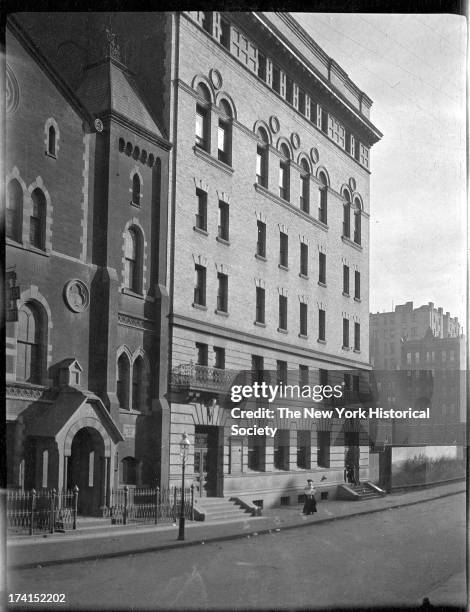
{"x": 223, "y": 538}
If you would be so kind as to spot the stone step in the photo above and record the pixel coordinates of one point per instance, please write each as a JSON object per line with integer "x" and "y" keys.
{"x": 219, "y": 508}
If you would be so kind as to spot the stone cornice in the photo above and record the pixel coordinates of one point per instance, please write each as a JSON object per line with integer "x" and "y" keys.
{"x": 24, "y": 391}
{"x": 137, "y": 129}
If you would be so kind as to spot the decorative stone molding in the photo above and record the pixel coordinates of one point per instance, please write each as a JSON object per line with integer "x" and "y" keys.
{"x": 130, "y": 321}
{"x": 282, "y": 291}
{"x": 76, "y": 295}
{"x": 12, "y": 91}
{"x": 216, "y": 78}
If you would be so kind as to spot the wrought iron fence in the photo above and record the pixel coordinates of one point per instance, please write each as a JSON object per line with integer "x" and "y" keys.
{"x": 40, "y": 511}
{"x": 149, "y": 505}
{"x": 192, "y": 375}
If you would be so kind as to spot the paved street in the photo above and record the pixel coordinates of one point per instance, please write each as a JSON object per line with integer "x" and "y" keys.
{"x": 393, "y": 557}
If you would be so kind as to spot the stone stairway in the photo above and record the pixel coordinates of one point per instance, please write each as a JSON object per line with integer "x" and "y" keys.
{"x": 365, "y": 491}
{"x": 220, "y": 508}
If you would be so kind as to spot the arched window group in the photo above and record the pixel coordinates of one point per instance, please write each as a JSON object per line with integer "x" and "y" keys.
{"x": 130, "y": 387}
{"x": 31, "y": 344}
{"x": 133, "y": 250}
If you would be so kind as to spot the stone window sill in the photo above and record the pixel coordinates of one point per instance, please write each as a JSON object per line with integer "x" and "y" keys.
{"x": 127, "y": 291}
{"x": 260, "y": 257}
{"x": 282, "y": 267}
{"x": 303, "y": 336}
{"x": 203, "y": 154}
{"x": 199, "y": 306}
{"x": 320, "y": 341}
{"x": 305, "y": 276}
{"x": 199, "y": 230}
{"x": 281, "y": 330}
{"x": 223, "y": 241}
{"x": 259, "y": 324}
{"x": 222, "y": 313}
{"x": 345, "y": 294}
{"x": 322, "y": 284}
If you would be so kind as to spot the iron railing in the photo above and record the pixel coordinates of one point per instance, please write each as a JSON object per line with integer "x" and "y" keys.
{"x": 194, "y": 376}
{"x": 149, "y": 505}
{"x": 45, "y": 510}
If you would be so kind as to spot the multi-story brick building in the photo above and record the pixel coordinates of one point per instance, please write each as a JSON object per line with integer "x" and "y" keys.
{"x": 213, "y": 171}
{"x": 388, "y": 330}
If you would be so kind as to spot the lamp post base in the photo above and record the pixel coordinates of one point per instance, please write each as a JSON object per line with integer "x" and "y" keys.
{"x": 181, "y": 528}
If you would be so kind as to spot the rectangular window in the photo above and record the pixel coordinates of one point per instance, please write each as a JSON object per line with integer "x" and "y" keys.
{"x": 222, "y": 292}
{"x": 345, "y": 333}
{"x": 242, "y": 48}
{"x": 262, "y": 66}
{"x": 323, "y": 377}
{"x": 303, "y": 319}
{"x": 224, "y": 33}
{"x": 219, "y": 358}
{"x": 202, "y": 351}
{"x": 322, "y": 268}
{"x": 283, "y": 312}
{"x": 260, "y": 305}
{"x": 261, "y": 242}
{"x": 408, "y": 358}
{"x": 276, "y": 79}
{"x": 281, "y": 449}
{"x": 321, "y": 325}
{"x": 357, "y": 285}
{"x": 223, "y": 228}
{"x": 303, "y": 259}
{"x": 336, "y": 131}
{"x": 323, "y": 452}
{"x": 200, "y": 285}
{"x": 303, "y": 449}
{"x": 322, "y": 206}
{"x": 357, "y": 336}
{"x": 201, "y": 215}
{"x": 283, "y": 250}
{"x": 201, "y": 127}
{"x": 257, "y": 368}
{"x": 346, "y": 280}
{"x": 303, "y": 375}
{"x": 364, "y": 155}
{"x": 281, "y": 371}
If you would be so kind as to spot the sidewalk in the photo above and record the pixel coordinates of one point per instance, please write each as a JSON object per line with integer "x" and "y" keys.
{"x": 92, "y": 543}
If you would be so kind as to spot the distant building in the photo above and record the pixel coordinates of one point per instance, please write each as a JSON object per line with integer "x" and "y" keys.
{"x": 388, "y": 329}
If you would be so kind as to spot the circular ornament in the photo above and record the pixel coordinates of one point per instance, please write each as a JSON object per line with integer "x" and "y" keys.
{"x": 12, "y": 91}
{"x": 295, "y": 140}
{"x": 314, "y": 155}
{"x": 76, "y": 295}
{"x": 352, "y": 184}
{"x": 274, "y": 124}
{"x": 216, "y": 78}
{"x": 99, "y": 127}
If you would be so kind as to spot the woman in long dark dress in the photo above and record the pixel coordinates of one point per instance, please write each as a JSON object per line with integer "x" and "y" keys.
{"x": 310, "y": 505}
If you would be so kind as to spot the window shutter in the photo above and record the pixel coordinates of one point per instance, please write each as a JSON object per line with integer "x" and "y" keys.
{"x": 282, "y": 83}
{"x": 307, "y": 106}
{"x": 269, "y": 72}
{"x": 295, "y": 96}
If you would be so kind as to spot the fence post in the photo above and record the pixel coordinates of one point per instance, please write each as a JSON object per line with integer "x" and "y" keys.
{"x": 157, "y": 492}
{"x": 192, "y": 502}
{"x": 126, "y": 493}
{"x": 33, "y": 505}
{"x": 174, "y": 503}
{"x": 52, "y": 510}
{"x": 75, "y": 506}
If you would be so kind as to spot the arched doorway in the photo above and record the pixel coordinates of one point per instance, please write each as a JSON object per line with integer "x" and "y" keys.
{"x": 86, "y": 469}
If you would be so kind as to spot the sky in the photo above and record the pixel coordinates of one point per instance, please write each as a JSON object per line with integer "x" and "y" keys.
{"x": 414, "y": 69}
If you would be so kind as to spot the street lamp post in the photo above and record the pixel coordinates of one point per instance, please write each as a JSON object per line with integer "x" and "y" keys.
{"x": 184, "y": 450}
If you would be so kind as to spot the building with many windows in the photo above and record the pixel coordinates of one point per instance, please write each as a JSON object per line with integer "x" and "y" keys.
{"x": 388, "y": 330}
{"x": 188, "y": 206}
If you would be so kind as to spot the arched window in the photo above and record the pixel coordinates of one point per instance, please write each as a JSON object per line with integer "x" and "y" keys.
{"x": 284, "y": 172}
{"x": 203, "y": 117}
{"x": 262, "y": 154}
{"x": 133, "y": 260}
{"x": 123, "y": 379}
{"x": 128, "y": 471}
{"x": 136, "y": 190}
{"x": 346, "y": 214}
{"x": 37, "y": 221}
{"x": 357, "y": 221}
{"x": 137, "y": 384}
{"x": 30, "y": 344}
{"x": 305, "y": 187}
{"x": 14, "y": 216}
{"x": 323, "y": 205}
{"x": 51, "y": 141}
{"x": 224, "y": 134}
